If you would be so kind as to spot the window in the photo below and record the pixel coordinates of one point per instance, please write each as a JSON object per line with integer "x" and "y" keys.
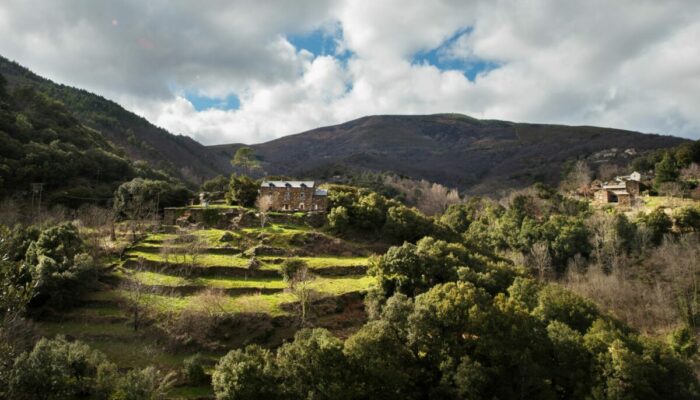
{"x": 302, "y": 195}
{"x": 287, "y": 196}
{"x": 315, "y": 206}
{"x": 301, "y": 206}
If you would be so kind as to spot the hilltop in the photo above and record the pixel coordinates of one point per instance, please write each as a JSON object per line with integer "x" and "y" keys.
{"x": 477, "y": 156}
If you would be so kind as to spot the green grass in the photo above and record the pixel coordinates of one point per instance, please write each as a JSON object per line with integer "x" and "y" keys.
{"x": 327, "y": 261}
{"x": 653, "y": 202}
{"x": 223, "y": 282}
{"x": 335, "y": 285}
{"x": 340, "y": 285}
{"x": 202, "y": 260}
{"x": 191, "y": 392}
{"x": 223, "y": 260}
{"x": 210, "y": 237}
{"x": 78, "y": 329}
{"x": 258, "y": 303}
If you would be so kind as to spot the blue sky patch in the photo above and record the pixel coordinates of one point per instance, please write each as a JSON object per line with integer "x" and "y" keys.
{"x": 320, "y": 42}
{"x": 442, "y": 60}
{"x": 201, "y": 103}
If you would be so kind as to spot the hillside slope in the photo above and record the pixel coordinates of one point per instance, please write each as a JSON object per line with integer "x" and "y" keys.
{"x": 178, "y": 155}
{"x": 478, "y": 156}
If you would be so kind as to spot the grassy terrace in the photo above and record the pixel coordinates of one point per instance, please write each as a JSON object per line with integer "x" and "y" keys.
{"x": 222, "y": 260}
{"x": 336, "y": 285}
{"x": 209, "y": 236}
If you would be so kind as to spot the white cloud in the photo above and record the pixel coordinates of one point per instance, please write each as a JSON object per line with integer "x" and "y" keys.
{"x": 631, "y": 64}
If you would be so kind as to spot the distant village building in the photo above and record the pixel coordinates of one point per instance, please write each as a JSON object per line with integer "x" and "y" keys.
{"x": 624, "y": 190}
{"x": 294, "y": 195}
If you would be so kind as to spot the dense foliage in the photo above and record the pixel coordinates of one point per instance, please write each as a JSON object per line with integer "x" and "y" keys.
{"x": 43, "y": 143}
{"x": 458, "y": 341}
{"x": 143, "y": 198}
{"x": 361, "y": 211}
{"x": 242, "y": 191}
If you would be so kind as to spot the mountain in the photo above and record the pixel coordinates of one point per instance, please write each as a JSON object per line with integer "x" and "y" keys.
{"x": 477, "y": 156}
{"x": 177, "y": 155}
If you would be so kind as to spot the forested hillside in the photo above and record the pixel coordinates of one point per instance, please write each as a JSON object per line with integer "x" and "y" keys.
{"x": 179, "y": 156}
{"x": 47, "y": 155}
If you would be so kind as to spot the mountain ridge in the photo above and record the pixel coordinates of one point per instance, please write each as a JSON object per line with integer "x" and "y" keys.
{"x": 477, "y": 156}
{"x": 452, "y": 149}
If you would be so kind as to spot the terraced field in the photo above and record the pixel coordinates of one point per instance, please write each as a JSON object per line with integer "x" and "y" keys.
{"x": 167, "y": 279}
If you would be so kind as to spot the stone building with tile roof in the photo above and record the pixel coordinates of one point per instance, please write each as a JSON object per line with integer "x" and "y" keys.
{"x": 293, "y": 196}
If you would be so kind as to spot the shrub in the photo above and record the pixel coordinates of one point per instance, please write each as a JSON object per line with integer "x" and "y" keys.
{"x": 58, "y": 266}
{"x": 144, "y": 384}
{"x": 291, "y": 267}
{"x": 338, "y": 219}
{"x": 243, "y": 191}
{"x": 245, "y": 374}
{"x": 58, "y": 369}
{"x": 193, "y": 370}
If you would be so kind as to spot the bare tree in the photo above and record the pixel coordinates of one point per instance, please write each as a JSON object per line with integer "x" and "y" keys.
{"x": 134, "y": 292}
{"x": 691, "y": 172}
{"x": 540, "y": 259}
{"x": 608, "y": 171}
{"x": 579, "y": 179}
{"x": 264, "y": 204}
{"x": 680, "y": 260}
{"x": 430, "y": 198}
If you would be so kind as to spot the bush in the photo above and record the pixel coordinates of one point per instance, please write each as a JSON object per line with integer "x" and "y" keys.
{"x": 58, "y": 369}
{"x": 658, "y": 223}
{"x": 193, "y": 370}
{"x": 242, "y": 191}
{"x": 247, "y": 374}
{"x": 407, "y": 224}
{"x": 58, "y": 266}
{"x": 338, "y": 219}
{"x": 291, "y": 267}
{"x": 145, "y": 384}
{"x": 687, "y": 218}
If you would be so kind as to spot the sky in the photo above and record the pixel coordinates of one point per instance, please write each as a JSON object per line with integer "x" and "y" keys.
{"x": 251, "y": 71}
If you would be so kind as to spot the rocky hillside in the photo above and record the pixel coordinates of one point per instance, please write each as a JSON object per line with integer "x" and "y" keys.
{"x": 479, "y": 156}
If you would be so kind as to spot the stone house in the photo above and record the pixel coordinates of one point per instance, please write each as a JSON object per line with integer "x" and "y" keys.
{"x": 294, "y": 196}
{"x": 624, "y": 190}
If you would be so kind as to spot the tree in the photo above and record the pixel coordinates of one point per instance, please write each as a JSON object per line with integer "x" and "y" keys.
{"x": 216, "y": 184}
{"x": 246, "y": 374}
{"x": 58, "y": 266}
{"x": 193, "y": 370}
{"x": 382, "y": 366}
{"x": 263, "y": 203}
{"x": 313, "y": 366}
{"x": 144, "y": 384}
{"x": 338, "y": 219}
{"x": 135, "y": 290}
{"x": 579, "y": 178}
{"x": 659, "y": 223}
{"x": 244, "y": 158}
{"x": 666, "y": 170}
{"x": 58, "y": 369}
{"x": 687, "y": 218}
{"x": 541, "y": 260}
{"x": 407, "y": 224}
{"x": 243, "y": 191}
{"x": 296, "y": 273}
